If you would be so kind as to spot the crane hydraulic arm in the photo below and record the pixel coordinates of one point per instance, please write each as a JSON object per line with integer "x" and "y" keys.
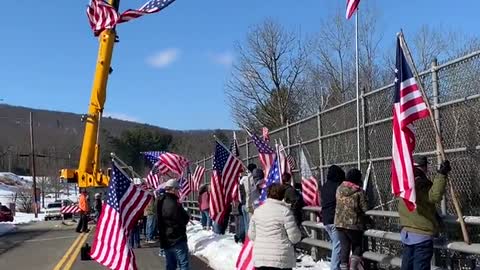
{"x": 88, "y": 173}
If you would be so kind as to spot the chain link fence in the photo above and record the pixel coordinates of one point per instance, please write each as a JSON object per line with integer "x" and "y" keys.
{"x": 330, "y": 137}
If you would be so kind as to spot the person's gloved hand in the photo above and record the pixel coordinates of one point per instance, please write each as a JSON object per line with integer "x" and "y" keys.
{"x": 444, "y": 167}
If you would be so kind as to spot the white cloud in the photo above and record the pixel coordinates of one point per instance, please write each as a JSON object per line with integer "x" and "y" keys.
{"x": 222, "y": 58}
{"x": 163, "y": 58}
{"x": 121, "y": 116}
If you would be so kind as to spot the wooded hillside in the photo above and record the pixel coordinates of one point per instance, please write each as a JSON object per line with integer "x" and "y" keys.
{"x": 58, "y": 137}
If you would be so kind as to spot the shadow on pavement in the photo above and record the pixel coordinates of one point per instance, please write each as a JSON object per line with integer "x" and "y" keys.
{"x": 16, "y": 238}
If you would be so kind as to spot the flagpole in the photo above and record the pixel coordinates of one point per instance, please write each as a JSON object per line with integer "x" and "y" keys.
{"x": 357, "y": 89}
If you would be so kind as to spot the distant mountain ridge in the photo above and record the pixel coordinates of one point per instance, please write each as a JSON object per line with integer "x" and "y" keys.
{"x": 58, "y": 135}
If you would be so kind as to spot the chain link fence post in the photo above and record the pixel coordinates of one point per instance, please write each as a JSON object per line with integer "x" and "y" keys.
{"x": 246, "y": 151}
{"x": 436, "y": 116}
{"x": 320, "y": 148}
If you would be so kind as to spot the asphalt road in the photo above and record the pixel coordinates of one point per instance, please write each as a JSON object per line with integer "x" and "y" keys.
{"x": 53, "y": 246}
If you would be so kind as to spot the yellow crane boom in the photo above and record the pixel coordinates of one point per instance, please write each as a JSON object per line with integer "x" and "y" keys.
{"x": 88, "y": 173}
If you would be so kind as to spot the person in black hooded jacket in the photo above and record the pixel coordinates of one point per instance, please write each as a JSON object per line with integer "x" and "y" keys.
{"x": 335, "y": 176}
{"x": 172, "y": 226}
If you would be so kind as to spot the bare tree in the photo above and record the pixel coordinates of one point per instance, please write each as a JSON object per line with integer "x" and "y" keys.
{"x": 266, "y": 83}
{"x": 24, "y": 200}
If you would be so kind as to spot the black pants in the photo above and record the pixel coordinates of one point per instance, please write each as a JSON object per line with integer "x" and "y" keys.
{"x": 271, "y": 268}
{"x": 82, "y": 223}
{"x": 418, "y": 256}
{"x": 349, "y": 240}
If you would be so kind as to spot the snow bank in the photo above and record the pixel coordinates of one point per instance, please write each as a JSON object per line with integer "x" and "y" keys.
{"x": 20, "y": 218}
{"x": 221, "y": 251}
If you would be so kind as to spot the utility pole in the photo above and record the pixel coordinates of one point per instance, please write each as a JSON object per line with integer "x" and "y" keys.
{"x": 32, "y": 146}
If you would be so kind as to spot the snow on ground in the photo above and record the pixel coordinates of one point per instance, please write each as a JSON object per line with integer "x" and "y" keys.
{"x": 20, "y": 218}
{"x": 221, "y": 251}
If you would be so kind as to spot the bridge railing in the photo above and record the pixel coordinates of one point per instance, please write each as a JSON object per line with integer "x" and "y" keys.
{"x": 447, "y": 253}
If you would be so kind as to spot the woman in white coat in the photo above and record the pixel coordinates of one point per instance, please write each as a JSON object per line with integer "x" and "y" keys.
{"x": 274, "y": 232}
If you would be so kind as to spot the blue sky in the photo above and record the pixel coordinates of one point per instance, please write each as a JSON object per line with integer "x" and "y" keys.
{"x": 170, "y": 67}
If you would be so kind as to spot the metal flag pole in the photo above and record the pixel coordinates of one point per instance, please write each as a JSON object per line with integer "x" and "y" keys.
{"x": 357, "y": 89}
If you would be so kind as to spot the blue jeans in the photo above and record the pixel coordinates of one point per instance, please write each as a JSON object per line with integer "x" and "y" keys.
{"x": 216, "y": 227}
{"x": 336, "y": 248}
{"x": 206, "y": 221}
{"x": 150, "y": 227}
{"x": 246, "y": 218}
{"x": 418, "y": 256}
{"x": 135, "y": 237}
{"x": 178, "y": 255}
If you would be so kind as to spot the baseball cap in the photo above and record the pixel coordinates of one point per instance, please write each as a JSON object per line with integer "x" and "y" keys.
{"x": 420, "y": 161}
{"x": 172, "y": 183}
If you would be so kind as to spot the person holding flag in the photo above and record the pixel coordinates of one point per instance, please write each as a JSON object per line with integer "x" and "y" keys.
{"x": 273, "y": 229}
{"x": 274, "y": 232}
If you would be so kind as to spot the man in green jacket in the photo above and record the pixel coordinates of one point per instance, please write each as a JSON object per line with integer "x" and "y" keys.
{"x": 421, "y": 225}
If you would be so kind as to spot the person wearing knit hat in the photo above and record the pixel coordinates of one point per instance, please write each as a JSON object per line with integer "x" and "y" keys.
{"x": 335, "y": 176}
{"x": 350, "y": 218}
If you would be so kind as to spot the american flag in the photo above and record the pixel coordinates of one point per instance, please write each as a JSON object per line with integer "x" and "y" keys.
{"x": 185, "y": 187}
{"x": 408, "y": 107}
{"x": 309, "y": 183}
{"x": 352, "y": 6}
{"x": 245, "y": 258}
{"x": 198, "y": 177}
{"x": 153, "y": 177}
{"x": 125, "y": 204}
{"x": 232, "y": 190}
{"x": 149, "y": 7}
{"x": 101, "y": 16}
{"x": 265, "y": 134}
{"x": 226, "y": 169}
{"x": 265, "y": 153}
{"x": 286, "y": 160}
{"x": 274, "y": 176}
{"x": 167, "y": 161}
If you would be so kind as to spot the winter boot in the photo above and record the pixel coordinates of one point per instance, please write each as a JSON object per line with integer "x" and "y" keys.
{"x": 356, "y": 263}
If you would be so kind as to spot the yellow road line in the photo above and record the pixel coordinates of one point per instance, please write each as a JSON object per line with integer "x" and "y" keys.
{"x": 74, "y": 256}
{"x": 65, "y": 257}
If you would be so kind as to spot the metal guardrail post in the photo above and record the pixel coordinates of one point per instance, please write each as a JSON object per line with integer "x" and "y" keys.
{"x": 314, "y": 235}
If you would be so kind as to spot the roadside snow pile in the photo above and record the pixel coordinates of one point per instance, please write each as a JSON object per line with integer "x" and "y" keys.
{"x": 20, "y": 218}
{"x": 24, "y": 218}
{"x": 221, "y": 251}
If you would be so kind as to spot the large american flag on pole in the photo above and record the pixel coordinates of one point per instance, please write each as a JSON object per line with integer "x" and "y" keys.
{"x": 125, "y": 204}
{"x": 197, "y": 177}
{"x": 309, "y": 182}
{"x": 352, "y": 6}
{"x": 408, "y": 106}
{"x": 101, "y": 16}
{"x": 265, "y": 153}
{"x": 226, "y": 168}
